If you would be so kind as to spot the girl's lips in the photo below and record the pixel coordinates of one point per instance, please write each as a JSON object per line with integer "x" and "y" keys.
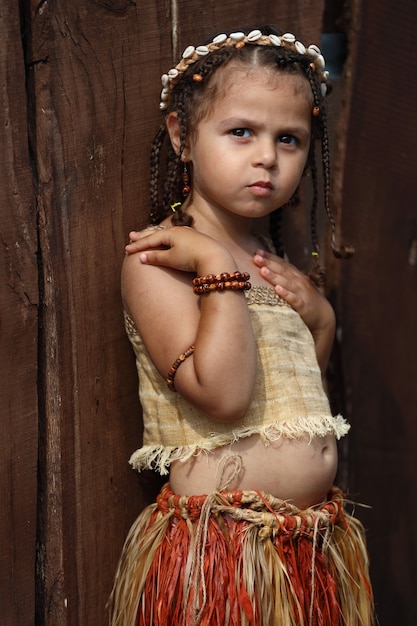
{"x": 261, "y": 188}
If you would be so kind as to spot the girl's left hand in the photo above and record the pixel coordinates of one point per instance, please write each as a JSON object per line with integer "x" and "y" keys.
{"x": 305, "y": 298}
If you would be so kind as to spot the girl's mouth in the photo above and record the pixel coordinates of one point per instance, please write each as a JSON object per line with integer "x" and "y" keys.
{"x": 261, "y": 188}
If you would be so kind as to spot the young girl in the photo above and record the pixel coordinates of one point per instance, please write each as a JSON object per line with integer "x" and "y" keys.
{"x": 249, "y": 530}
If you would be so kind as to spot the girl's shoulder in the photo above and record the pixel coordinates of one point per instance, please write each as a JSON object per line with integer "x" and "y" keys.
{"x": 151, "y": 282}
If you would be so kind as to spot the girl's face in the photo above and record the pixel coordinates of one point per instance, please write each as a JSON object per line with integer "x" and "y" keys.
{"x": 248, "y": 154}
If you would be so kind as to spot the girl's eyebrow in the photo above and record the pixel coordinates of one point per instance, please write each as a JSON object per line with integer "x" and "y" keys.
{"x": 241, "y": 122}
{"x": 238, "y": 122}
{"x": 296, "y": 130}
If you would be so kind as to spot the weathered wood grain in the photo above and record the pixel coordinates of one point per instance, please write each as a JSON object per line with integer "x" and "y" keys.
{"x": 18, "y": 336}
{"x": 90, "y": 128}
{"x": 377, "y": 301}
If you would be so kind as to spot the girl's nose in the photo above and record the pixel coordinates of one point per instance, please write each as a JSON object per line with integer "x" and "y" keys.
{"x": 266, "y": 153}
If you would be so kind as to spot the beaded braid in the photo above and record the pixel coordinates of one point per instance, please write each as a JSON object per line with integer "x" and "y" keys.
{"x": 316, "y": 273}
{"x": 171, "y": 179}
{"x": 180, "y": 218}
{"x": 341, "y": 250}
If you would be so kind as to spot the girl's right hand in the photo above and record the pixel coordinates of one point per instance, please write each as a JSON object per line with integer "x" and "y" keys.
{"x": 180, "y": 248}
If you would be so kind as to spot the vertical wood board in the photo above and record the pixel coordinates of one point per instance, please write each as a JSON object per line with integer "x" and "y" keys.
{"x": 378, "y": 302}
{"x": 18, "y": 336}
{"x": 90, "y": 128}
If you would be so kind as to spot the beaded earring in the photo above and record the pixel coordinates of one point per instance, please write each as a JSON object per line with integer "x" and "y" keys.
{"x": 185, "y": 179}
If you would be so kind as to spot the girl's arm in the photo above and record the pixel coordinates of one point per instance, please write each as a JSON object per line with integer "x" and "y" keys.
{"x": 298, "y": 290}
{"x": 157, "y": 291}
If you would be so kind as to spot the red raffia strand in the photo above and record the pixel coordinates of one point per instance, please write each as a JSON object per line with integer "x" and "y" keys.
{"x": 242, "y": 559}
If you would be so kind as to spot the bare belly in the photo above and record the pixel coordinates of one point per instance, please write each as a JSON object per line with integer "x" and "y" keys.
{"x": 298, "y": 470}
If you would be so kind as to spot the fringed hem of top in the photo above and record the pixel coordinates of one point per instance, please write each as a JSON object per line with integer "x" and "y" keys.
{"x": 159, "y": 457}
{"x": 243, "y": 558}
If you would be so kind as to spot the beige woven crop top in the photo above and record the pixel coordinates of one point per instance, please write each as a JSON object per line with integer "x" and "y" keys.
{"x": 288, "y": 399}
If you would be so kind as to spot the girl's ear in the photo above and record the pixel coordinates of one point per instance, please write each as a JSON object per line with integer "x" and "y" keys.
{"x": 173, "y": 128}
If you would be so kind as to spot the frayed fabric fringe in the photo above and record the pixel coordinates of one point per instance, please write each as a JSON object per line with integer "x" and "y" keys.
{"x": 242, "y": 558}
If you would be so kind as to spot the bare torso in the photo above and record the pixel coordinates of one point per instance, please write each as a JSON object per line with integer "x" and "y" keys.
{"x": 298, "y": 470}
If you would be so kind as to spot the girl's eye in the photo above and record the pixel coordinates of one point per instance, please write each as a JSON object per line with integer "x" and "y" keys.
{"x": 240, "y": 132}
{"x": 288, "y": 139}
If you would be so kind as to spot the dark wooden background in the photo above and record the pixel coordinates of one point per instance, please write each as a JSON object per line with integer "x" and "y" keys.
{"x": 79, "y": 105}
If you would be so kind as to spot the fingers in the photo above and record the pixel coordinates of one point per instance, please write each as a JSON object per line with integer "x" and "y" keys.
{"x": 154, "y": 247}
{"x": 289, "y": 283}
{"x": 149, "y": 238}
{"x": 276, "y": 270}
{"x": 296, "y": 289}
{"x": 273, "y": 262}
{"x": 134, "y": 237}
{"x": 154, "y": 257}
{"x": 176, "y": 247}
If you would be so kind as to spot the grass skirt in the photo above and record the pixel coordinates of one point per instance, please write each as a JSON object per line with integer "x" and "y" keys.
{"x": 242, "y": 558}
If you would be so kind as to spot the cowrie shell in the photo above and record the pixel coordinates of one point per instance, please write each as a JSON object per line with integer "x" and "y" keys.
{"x": 164, "y": 80}
{"x": 164, "y": 95}
{"x": 289, "y": 37}
{"x": 188, "y": 52}
{"x": 313, "y": 51}
{"x": 320, "y": 62}
{"x": 220, "y": 38}
{"x": 173, "y": 73}
{"x": 300, "y": 47}
{"x": 202, "y": 51}
{"x": 254, "y": 35}
{"x": 275, "y": 40}
{"x": 323, "y": 88}
{"x": 237, "y": 36}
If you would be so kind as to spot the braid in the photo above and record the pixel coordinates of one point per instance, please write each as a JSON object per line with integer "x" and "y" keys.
{"x": 275, "y": 230}
{"x": 317, "y": 98}
{"x": 316, "y": 273}
{"x": 180, "y": 218}
{"x": 170, "y": 190}
{"x": 341, "y": 251}
{"x": 211, "y": 62}
{"x": 154, "y": 180}
{"x": 314, "y": 199}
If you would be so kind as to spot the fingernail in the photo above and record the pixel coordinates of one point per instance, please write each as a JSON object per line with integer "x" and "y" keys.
{"x": 143, "y": 258}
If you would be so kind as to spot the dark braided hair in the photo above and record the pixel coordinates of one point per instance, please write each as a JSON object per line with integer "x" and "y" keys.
{"x": 192, "y": 101}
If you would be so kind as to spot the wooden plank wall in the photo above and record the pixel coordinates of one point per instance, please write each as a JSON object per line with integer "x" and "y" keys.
{"x": 80, "y": 89}
{"x": 18, "y": 336}
{"x": 377, "y": 293}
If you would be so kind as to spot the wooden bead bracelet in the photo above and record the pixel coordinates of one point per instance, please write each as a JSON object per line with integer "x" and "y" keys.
{"x": 173, "y": 369}
{"x": 220, "y": 282}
